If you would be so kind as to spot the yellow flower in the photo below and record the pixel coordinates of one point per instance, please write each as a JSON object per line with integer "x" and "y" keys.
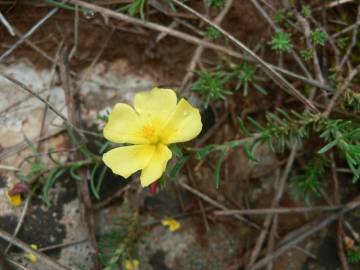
{"x": 131, "y": 264}
{"x": 14, "y": 200}
{"x": 173, "y": 224}
{"x": 156, "y": 121}
{"x": 31, "y": 257}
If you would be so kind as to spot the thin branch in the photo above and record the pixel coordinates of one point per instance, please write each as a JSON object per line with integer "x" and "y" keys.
{"x": 276, "y": 28}
{"x": 85, "y": 204}
{"x": 268, "y": 68}
{"x": 274, "y": 203}
{"x": 307, "y": 32}
{"x": 6, "y": 24}
{"x": 200, "y": 202}
{"x": 353, "y": 43}
{"x": 194, "y": 40}
{"x": 282, "y": 210}
{"x": 25, "y": 247}
{"x": 216, "y": 204}
{"x": 306, "y": 233}
{"x": 271, "y": 72}
{"x": 346, "y": 29}
{"x": 333, "y": 4}
{"x": 20, "y": 222}
{"x": 28, "y": 34}
{"x": 200, "y": 49}
{"x": 33, "y": 93}
{"x": 339, "y": 225}
{"x": 341, "y": 90}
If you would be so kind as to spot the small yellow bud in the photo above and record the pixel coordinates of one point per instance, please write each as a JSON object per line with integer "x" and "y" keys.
{"x": 173, "y": 224}
{"x": 14, "y": 200}
{"x": 31, "y": 257}
{"x": 131, "y": 264}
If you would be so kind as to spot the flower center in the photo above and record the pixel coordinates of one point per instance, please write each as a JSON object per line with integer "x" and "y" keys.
{"x": 149, "y": 132}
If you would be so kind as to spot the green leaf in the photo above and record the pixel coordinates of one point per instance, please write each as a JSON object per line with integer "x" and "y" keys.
{"x": 218, "y": 168}
{"x": 73, "y": 173}
{"x": 101, "y": 179}
{"x": 92, "y": 182}
{"x": 176, "y": 150}
{"x": 242, "y": 127}
{"x": 255, "y": 123}
{"x": 233, "y": 143}
{"x": 104, "y": 147}
{"x": 50, "y": 155}
{"x": 203, "y": 152}
{"x": 54, "y": 175}
{"x": 318, "y": 37}
{"x": 327, "y": 147}
{"x": 178, "y": 165}
{"x": 30, "y": 144}
{"x": 306, "y": 11}
{"x": 281, "y": 42}
{"x": 249, "y": 153}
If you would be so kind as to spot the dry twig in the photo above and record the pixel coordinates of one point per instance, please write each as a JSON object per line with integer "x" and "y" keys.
{"x": 25, "y": 247}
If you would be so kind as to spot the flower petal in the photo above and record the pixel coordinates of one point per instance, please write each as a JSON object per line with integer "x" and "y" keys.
{"x": 156, "y": 166}
{"x": 155, "y": 106}
{"x": 124, "y": 126}
{"x": 184, "y": 124}
{"x": 127, "y": 160}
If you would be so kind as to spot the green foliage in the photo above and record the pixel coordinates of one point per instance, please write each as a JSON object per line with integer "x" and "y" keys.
{"x": 96, "y": 179}
{"x": 36, "y": 167}
{"x": 48, "y": 176}
{"x": 353, "y": 255}
{"x": 222, "y": 150}
{"x": 135, "y": 8}
{"x": 176, "y": 150}
{"x": 170, "y": 4}
{"x": 293, "y": 128}
{"x": 245, "y": 75}
{"x": 219, "y": 162}
{"x": 215, "y": 3}
{"x": 307, "y": 54}
{"x": 180, "y": 162}
{"x": 318, "y": 37}
{"x": 286, "y": 131}
{"x": 281, "y": 42}
{"x": 346, "y": 136}
{"x": 212, "y": 33}
{"x": 306, "y": 11}
{"x": 50, "y": 181}
{"x": 309, "y": 182}
{"x": 212, "y": 85}
{"x": 120, "y": 244}
{"x": 178, "y": 165}
{"x": 343, "y": 42}
{"x": 352, "y": 101}
{"x": 203, "y": 152}
{"x": 279, "y": 15}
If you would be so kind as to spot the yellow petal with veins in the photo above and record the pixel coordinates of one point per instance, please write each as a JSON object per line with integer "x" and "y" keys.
{"x": 155, "y": 106}
{"x": 127, "y": 160}
{"x": 157, "y": 165}
{"x": 124, "y": 126}
{"x": 183, "y": 125}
